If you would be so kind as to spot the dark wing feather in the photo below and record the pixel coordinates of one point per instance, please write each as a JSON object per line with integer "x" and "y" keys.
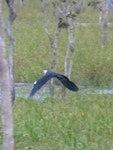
{"x": 67, "y": 83}
{"x": 39, "y": 83}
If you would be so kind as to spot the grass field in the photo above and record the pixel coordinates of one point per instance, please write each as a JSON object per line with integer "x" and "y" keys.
{"x": 82, "y": 121}
{"x": 93, "y": 62}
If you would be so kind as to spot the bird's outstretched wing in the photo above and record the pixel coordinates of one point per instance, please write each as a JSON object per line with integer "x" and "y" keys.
{"x": 50, "y": 74}
{"x": 39, "y": 83}
{"x": 67, "y": 83}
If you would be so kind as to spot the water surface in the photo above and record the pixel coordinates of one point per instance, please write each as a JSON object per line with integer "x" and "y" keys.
{"x": 23, "y": 90}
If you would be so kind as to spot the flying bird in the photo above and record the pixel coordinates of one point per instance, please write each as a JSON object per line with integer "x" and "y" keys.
{"x": 47, "y": 76}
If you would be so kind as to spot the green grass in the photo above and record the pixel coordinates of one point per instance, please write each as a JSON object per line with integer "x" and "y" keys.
{"x": 93, "y": 62}
{"x": 81, "y": 122}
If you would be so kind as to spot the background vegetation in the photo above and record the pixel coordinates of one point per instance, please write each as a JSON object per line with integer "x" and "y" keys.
{"x": 82, "y": 121}
{"x": 93, "y": 61}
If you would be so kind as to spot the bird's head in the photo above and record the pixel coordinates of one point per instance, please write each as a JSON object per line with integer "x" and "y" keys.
{"x": 45, "y": 71}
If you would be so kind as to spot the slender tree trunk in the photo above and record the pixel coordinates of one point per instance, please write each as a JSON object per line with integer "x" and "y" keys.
{"x": 65, "y": 13}
{"x": 53, "y": 42}
{"x": 7, "y": 116}
{"x": 68, "y": 64}
{"x": 73, "y": 9}
{"x": 69, "y": 57}
{"x": 54, "y": 46}
{"x": 103, "y": 19}
{"x": 12, "y": 16}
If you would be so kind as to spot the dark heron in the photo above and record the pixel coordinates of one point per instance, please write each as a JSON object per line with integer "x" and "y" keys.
{"x": 47, "y": 76}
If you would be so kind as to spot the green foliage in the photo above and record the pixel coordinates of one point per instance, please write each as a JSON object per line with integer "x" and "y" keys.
{"x": 81, "y": 122}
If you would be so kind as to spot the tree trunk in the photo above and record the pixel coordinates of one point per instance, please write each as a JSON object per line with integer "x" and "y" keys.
{"x": 73, "y": 9}
{"x": 68, "y": 64}
{"x": 7, "y": 117}
{"x": 53, "y": 42}
{"x": 65, "y": 13}
{"x": 12, "y": 16}
{"x": 103, "y": 19}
